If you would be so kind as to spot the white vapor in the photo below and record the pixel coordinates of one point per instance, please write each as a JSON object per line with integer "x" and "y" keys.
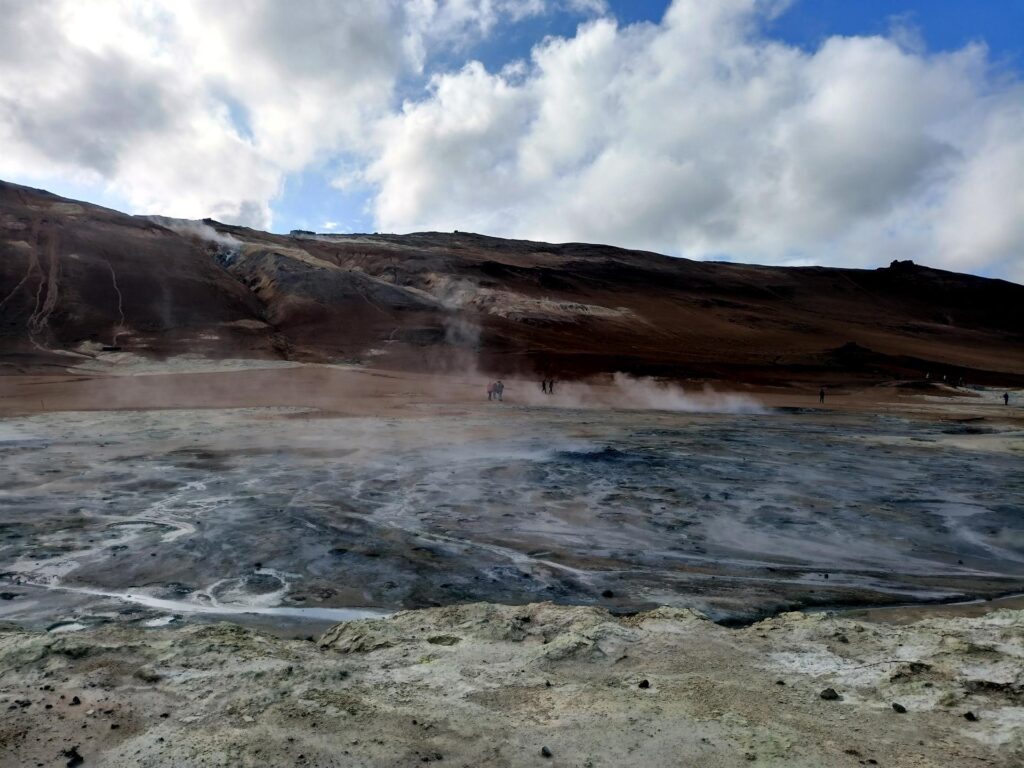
{"x": 626, "y": 392}
{"x": 198, "y": 229}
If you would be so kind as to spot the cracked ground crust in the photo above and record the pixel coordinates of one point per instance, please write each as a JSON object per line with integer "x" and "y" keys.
{"x": 505, "y": 682}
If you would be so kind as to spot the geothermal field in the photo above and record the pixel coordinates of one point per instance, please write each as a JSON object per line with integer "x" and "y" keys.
{"x": 604, "y": 572}
{"x": 257, "y": 507}
{"x": 285, "y": 514}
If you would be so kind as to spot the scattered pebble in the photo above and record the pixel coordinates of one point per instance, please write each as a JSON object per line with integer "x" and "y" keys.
{"x": 970, "y": 716}
{"x": 829, "y": 694}
{"x": 898, "y": 708}
{"x": 644, "y": 684}
{"x": 546, "y": 752}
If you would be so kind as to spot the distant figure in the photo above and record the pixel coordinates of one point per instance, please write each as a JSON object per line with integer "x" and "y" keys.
{"x": 551, "y": 386}
{"x": 499, "y": 389}
{"x": 821, "y": 395}
{"x": 544, "y": 386}
{"x": 1006, "y": 398}
{"x": 490, "y": 391}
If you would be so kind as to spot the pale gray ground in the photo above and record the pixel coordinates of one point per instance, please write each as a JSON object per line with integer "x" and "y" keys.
{"x": 485, "y": 685}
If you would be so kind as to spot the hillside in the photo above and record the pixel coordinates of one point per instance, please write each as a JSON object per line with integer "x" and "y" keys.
{"x": 75, "y": 278}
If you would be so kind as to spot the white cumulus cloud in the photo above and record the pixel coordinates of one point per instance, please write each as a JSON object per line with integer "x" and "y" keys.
{"x": 702, "y": 136}
{"x": 698, "y": 134}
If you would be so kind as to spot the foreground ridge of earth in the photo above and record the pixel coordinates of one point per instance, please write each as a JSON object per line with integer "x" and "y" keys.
{"x": 485, "y": 684}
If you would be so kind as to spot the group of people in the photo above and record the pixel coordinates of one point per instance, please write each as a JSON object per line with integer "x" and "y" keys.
{"x": 495, "y": 390}
{"x": 547, "y": 386}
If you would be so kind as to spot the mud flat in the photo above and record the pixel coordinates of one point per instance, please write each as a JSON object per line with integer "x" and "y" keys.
{"x": 527, "y": 685}
{"x": 590, "y": 574}
{"x": 294, "y": 517}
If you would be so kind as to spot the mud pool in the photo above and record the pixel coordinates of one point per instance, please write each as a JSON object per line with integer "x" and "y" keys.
{"x": 287, "y": 517}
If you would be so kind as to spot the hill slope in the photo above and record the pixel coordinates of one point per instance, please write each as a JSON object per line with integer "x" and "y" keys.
{"x": 76, "y": 277}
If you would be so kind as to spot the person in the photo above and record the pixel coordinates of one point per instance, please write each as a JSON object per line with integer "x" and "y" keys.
{"x": 551, "y": 386}
{"x": 499, "y": 389}
{"x": 1006, "y": 398}
{"x": 490, "y": 391}
{"x": 544, "y": 386}
{"x": 821, "y": 395}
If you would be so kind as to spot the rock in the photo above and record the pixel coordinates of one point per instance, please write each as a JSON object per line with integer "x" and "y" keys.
{"x": 829, "y": 694}
{"x": 898, "y": 708}
{"x": 970, "y": 717}
{"x": 607, "y": 593}
{"x": 443, "y": 640}
{"x": 645, "y": 684}
{"x": 75, "y": 701}
{"x": 780, "y": 682}
{"x": 74, "y": 759}
{"x": 546, "y": 752}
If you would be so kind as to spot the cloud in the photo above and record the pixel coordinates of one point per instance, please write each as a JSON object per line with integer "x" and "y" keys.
{"x": 701, "y": 136}
{"x": 697, "y": 135}
{"x": 190, "y": 109}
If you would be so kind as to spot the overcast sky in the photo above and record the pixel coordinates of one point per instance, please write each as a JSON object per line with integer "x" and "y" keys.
{"x": 813, "y": 131}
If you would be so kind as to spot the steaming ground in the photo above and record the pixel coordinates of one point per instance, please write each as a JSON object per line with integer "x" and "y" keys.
{"x": 295, "y": 517}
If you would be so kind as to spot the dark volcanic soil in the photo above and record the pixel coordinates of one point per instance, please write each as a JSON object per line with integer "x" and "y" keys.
{"x": 75, "y": 277}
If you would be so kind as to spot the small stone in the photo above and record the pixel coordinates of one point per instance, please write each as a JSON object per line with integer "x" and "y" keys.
{"x": 546, "y": 752}
{"x": 607, "y": 593}
{"x": 829, "y": 694}
{"x": 645, "y": 684}
{"x": 114, "y": 726}
{"x": 780, "y": 682}
{"x": 74, "y": 759}
{"x": 898, "y": 708}
{"x": 75, "y": 701}
{"x": 970, "y": 717}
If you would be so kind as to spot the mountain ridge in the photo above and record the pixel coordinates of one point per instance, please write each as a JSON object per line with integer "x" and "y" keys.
{"x": 75, "y": 277}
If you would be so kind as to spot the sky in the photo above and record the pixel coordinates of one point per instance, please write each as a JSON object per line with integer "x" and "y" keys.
{"x": 769, "y": 131}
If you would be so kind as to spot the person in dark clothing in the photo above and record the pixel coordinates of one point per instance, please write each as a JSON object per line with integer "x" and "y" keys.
{"x": 1006, "y": 398}
{"x": 821, "y": 395}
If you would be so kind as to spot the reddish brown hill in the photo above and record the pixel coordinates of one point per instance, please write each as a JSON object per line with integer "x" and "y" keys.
{"x": 74, "y": 277}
